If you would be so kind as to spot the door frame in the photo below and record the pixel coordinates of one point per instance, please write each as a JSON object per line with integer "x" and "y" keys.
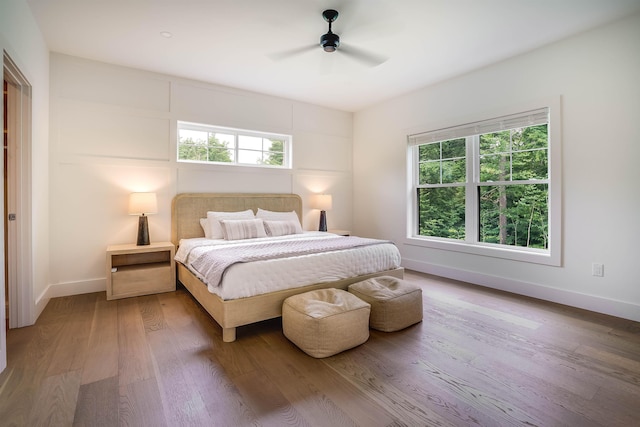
{"x": 21, "y": 301}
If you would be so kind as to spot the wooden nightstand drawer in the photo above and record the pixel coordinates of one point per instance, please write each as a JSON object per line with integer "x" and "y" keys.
{"x": 140, "y": 270}
{"x": 142, "y": 280}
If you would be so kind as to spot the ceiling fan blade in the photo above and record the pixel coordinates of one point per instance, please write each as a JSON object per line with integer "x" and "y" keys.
{"x": 366, "y": 57}
{"x": 326, "y": 64}
{"x": 289, "y": 53}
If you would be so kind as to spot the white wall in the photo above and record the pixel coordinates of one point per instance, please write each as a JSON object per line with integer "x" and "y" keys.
{"x": 597, "y": 76}
{"x": 21, "y": 39}
{"x": 113, "y": 131}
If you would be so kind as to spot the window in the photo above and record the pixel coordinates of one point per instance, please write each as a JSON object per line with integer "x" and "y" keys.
{"x": 209, "y": 144}
{"x": 486, "y": 188}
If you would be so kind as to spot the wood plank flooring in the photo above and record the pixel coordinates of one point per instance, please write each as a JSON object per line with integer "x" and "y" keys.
{"x": 479, "y": 358}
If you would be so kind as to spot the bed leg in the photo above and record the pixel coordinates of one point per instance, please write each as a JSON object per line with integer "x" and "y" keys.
{"x": 228, "y": 334}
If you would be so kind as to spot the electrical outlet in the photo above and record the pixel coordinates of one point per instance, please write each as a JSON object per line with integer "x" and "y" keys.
{"x": 597, "y": 269}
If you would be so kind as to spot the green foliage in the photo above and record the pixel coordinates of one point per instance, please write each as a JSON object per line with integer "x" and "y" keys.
{"x": 515, "y": 155}
{"x": 212, "y": 151}
{"x": 442, "y": 162}
{"x": 512, "y": 212}
{"x": 275, "y": 155}
{"x": 520, "y": 220}
{"x": 442, "y": 212}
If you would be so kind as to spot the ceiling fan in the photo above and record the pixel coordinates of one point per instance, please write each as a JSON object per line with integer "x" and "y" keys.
{"x": 330, "y": 42}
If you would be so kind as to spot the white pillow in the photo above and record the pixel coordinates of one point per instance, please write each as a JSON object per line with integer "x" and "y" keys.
{"x": 282, "y": 228}
{"x": 280, "y": 216}
{"x": 204, "y": 223}
{"x": 214, "y": 219}
{"x": 238, "y": 229}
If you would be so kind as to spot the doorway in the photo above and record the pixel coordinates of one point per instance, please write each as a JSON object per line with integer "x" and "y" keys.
{"x": 18, "y": 288}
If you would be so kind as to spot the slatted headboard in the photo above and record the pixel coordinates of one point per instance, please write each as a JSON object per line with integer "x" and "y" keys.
{"x": 188, "y": 208}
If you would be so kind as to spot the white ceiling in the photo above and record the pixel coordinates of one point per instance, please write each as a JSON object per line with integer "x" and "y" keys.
{"x": 248, "y": 44}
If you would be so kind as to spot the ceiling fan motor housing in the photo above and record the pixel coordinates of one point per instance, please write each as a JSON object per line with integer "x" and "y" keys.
{"x": 330, "y": 41}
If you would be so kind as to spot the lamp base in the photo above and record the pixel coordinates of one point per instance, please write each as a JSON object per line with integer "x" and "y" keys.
{"x": 323, "y": 221}
{"x": 143, "y": 231}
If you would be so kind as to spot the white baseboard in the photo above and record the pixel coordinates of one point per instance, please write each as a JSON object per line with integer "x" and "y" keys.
{"x": 69, "y": 288}
{"x": 598, "y": 304}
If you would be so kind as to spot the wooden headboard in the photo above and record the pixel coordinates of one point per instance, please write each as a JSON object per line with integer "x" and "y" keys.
{"x": 188, "y": 208}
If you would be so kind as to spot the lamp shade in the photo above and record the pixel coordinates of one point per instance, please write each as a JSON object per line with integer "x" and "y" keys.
{"x": 323, "y": 202}
{"x": 143, "y": 203}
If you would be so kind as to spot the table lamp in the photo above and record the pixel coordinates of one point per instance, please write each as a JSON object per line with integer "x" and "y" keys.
{"x": 143, "y": 204}
{"x": 324, "y": 203}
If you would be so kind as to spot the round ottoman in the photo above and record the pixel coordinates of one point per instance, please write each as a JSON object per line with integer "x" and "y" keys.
{"x": 326, "y": 321}
{"x": 395, "y": 303}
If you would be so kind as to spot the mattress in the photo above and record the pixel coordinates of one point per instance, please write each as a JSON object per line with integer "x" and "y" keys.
{"x": 248, "y": 279}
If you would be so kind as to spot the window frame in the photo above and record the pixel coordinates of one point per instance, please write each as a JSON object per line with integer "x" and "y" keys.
{"x": 236, "y": 133}
{"x": 471, "y": 244}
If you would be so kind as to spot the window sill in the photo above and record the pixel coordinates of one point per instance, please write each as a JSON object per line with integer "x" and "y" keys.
{"x": 234, "y": 167}
{"x": 535, "y": 256}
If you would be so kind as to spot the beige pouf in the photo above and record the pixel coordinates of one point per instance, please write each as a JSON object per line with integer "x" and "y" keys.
{"x": 326, "y": 321}
{"x": 395, "y": 303}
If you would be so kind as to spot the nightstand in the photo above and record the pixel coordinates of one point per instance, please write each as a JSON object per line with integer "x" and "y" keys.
{"x": 140, "y": 270}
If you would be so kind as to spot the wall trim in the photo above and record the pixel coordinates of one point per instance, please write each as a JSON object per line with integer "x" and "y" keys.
{"x": 69, "y": 288}
{"x": 594, "y": 303}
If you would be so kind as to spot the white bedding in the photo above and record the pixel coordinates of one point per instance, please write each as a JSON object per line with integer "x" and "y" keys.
{"x": 259, "y": 277}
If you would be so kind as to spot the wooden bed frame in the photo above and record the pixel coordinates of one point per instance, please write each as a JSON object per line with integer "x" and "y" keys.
{"x": 186, "y": 211}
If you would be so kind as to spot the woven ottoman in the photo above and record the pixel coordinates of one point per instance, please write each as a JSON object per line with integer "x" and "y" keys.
{"x": 395, "y": 303}
{"x": 326, "y": 321}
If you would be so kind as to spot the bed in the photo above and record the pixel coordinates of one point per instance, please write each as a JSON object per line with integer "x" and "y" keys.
{"x": 189, "y": 208}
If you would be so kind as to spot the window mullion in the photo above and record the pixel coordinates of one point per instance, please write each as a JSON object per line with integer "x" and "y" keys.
{"x": 471, "y": 189}
{"x": 511, "y": 155}
{"x": 440, "y": 161}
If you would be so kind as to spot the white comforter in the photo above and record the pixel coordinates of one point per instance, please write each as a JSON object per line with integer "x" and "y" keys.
{"x": 258, "y": 277}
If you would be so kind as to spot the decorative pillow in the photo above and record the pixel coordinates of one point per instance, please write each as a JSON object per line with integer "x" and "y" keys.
{"x": 280, "y": 216}
{"x": 282, "y": 228}
{"x": 238, "y": 229}
{"x": 204, "y": 223}
{"x": 214, "y": 219}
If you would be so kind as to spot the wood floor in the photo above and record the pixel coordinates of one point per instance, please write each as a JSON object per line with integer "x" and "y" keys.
{"x": 479, "y": 358}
